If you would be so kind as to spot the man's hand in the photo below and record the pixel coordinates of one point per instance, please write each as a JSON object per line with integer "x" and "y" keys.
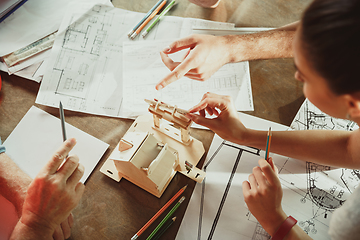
{"x": 52, "y": 195}
{"x": 206, "y": 54}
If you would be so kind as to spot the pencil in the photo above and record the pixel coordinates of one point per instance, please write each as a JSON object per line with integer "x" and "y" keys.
{"x": 62, "y": 117}
{"x": 159, "y": 213}
{"x": 166, "y": 218}
{"x": 268, "y": 142}
{"x": 146, "y": 16}
{"x": 166, "y": 226}
{"x": 152, "y": 15}
{"x": 158, "y": 18}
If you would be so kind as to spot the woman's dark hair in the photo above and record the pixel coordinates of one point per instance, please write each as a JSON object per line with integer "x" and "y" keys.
{"x": 331, "y": 41}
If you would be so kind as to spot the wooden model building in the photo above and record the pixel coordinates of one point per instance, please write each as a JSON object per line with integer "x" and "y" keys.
{"x": 152, "y": 150}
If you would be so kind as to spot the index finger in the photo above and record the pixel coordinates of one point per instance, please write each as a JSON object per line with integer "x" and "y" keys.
{"x": 59, "y": 156}
{"x": 269, "y": 172}
{"x": 178, "y": 72}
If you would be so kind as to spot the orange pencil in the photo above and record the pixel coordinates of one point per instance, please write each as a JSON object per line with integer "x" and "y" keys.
{"x": 159, "y": 213}
{"x": 153, "y": 14}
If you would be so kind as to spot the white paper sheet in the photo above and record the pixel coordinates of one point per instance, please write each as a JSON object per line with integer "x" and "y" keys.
{"x": 85, "y": 67}
{"x": 30, "y": 72}
{"x": 311, "y": 192}
{"x": 38, "y": 135}
{"x": 32, "y": 21}
{"x": 143, "y": 69}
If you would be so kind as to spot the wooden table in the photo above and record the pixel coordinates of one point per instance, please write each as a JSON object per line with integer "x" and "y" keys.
{"x": 111, "y": 210}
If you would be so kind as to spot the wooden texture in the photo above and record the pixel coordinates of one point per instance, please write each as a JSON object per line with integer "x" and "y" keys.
{"x": 112, "y": 210}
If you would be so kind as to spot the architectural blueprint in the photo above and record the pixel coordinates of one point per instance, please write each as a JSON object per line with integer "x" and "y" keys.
{"x": 85, "y": 66}
{"x": 231, "y": 79}
{"x": 311, "y": 192}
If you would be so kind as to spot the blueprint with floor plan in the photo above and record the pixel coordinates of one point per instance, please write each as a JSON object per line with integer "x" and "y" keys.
{"x": 311, "y": 192}
{"x": 85, "y": 70}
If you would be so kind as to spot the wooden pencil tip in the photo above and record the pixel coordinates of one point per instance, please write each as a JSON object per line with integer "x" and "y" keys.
{"x": 184, "y": 187}
{"x": 174, "y": 218}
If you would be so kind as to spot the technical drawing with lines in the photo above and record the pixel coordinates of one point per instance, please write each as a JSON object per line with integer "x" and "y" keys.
{"x": 85, "y": 69}
{"x": 311, "y": 192}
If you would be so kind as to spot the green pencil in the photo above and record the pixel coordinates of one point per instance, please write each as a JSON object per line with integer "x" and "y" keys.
{"x": 158, "y": 18}
{"x": 166, "y": 218}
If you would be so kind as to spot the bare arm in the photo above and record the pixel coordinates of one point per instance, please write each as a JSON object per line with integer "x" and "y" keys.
{"x": 262, "y": 45}
{"x": 206, "y": 53}
{"x": 13, "y": 182}
{"x": 335, "y": 148}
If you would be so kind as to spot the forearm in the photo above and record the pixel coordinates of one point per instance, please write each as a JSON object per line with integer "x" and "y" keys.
{"x": 24, "y": 232}
{"x": 262, "y": 45}
{"x": 13, "y": 182}
{"x": 334, "y": 148}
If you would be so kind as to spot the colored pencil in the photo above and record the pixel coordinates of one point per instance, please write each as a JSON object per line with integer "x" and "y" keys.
{"x": 163, "y": 229}
{"x": 144, "y": 18}
{"x": 159, "y": 213}
{"x": 166, "y": 218}
{"x": 268, "y": 142}
{"x": 152, "y": 15}
{"x": 168, "y": 7}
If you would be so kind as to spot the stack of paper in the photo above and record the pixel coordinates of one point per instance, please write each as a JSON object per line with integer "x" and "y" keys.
{"x": 22, "y": 31}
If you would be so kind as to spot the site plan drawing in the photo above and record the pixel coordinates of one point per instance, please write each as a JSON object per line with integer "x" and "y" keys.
{"x": 311, "y": 192}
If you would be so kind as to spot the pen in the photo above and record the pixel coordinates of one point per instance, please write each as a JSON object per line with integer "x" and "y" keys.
{"x": 159, "y": 213}
{"x": 268, "y": 142}
{"x": 158, "y": 18}
{"x": 166, "y": 226}
{"x": 166, "y": 218}
{"x": 62, "y": 117}
{"x": 152, "y": 15}
{"x": 146, "y": 16}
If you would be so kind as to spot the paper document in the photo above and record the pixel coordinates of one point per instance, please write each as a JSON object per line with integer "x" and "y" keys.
{"x": 311, "y": 192}
{"x": 38, "y": 135}
{"x": 85, "y": 66}
{"x": 143, "y": 69}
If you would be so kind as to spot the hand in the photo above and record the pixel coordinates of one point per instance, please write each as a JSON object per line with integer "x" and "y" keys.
{"x": 54, "y": 192}
{"x": 227, "y": 123}
{"x": 263, "y": 194}
{"x": 205, "y": 56}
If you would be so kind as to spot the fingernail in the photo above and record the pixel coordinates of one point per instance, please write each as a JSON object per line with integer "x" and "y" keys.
{"x": 167, "y": 49}
{"x": 159, "y": 87}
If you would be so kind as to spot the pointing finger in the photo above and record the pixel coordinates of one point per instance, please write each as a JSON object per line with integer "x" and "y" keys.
{"x": 178, "y": 72}
{"x": 52, "y": 166}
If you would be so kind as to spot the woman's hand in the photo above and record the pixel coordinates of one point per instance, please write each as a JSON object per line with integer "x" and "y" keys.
{"x": 226, "y": 123}
{"x": 263, "y": 195}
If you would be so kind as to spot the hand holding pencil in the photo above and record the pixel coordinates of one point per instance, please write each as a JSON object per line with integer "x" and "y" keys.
{"x": 263, "y": 193}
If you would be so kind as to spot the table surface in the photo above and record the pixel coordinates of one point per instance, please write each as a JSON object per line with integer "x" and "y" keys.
{"x": 112, "y": 210}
